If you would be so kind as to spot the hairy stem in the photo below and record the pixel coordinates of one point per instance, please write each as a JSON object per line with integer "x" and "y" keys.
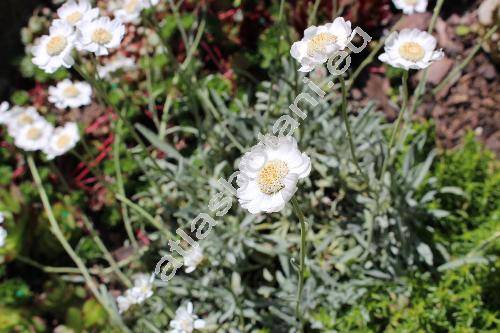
{"x": 396, "y": 124}
{"x": 348, "y": 128}
{"x": 303, "y": 232}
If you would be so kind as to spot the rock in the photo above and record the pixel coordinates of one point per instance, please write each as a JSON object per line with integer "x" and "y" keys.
{"x": 438, "y": 70}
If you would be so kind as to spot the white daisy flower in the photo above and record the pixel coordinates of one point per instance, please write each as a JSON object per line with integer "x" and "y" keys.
{"x": 185, "y": 320}
{"x": 269, "y": 173}
{"x": 319, "y": 43}
{"x": 54, "y": 50}
{"x": 193, "y": 258}
{"x": 129, "y": 11}
{"x": 142, "y": 290}
{"x": 101, "y": 35}
{"x": 62, "y": 140}
{"x": 77, "y": 13}
{"x": 410, "y": 49}
{"x": 411, "y": 6}
{"x": 19, "y": 117}
{"x": 4, "y": 112}
{"x": 70, "y": 94}
{"x": 119, "y": 63}
{"x": 34, "y": 136}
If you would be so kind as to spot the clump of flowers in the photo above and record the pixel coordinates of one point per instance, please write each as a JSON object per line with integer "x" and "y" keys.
{"x": 269, "y": 173}
{"x": 410, "y": 49}
{"x": 31, "y": 132}
{"x": 141, "y": 291}
{"x": 68, "y": 94}
{"x": 78, "y": 26}
{"x": 319, "y": 43}
{"x": 411, "y": 6}
{"x": 185, "y": 320}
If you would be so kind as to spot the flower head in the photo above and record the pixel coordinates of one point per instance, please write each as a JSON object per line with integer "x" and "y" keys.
{"x": 142, "y": 290}
{"x": 319, "y": 43}
{"x": 34, "y": 136}
{"x": 77, "y": 13}
{"x": 193, "y": 258}
{"x": 19, "y": 117}
{"x": 54, "y": 50}
{"x": 185, "y": 320}
{"x": 101, "y": 35}
{"x": 269, "y": 173}
{"x": 129, "y": 11}
{"x": 62, "y": 140}
{"x": 410, "y": 49}
{"x": 411, "y": 6}
{"x": 70, "y": 94}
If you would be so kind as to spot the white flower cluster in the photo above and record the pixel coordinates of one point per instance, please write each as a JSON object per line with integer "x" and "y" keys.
{"x": 3, "y": 232}
{"x": 79, "y": 26}
{"x": 31, "y": 132}
{"x": 141, "y": 291}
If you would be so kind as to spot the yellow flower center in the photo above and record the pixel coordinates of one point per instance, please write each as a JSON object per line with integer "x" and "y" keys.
{"x": 412, "y": 51}
{"x": 33, "y": 134}
{"x": 25, "y": 119}
{"x": 73, "y": 18}
{"x": 101, "y": 36}
{"x": 131, "y": 6}
{"x": 71, "y": 91}
{"x": 411, "y": 2}
{"x": 271, "y": 176}
{"x": 318, "y": 43}
{"x": 63, "y": 141}
{"x": 56, "y": 45}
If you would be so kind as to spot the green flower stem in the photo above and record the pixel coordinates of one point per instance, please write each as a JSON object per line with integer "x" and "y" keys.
{"x": 396, "y": 124}
{"x": 157, "y": 224}
{"x": 121, "y": 187}
{"x": 107, "y": 255}
{"x": 348, "y": 128}
{"x": 54, "y": 227}
{"x": 303, "y": 234}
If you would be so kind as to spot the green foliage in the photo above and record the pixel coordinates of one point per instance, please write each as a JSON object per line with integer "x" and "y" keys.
{"x": 474, "y": 173}
{"x": 460, "y": 301}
